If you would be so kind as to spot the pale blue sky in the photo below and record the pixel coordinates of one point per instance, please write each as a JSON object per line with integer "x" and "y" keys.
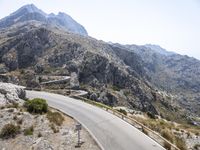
{"x": 172, "y": 24}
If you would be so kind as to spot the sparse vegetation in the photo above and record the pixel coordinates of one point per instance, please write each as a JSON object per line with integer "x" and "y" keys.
{"x": 19, "y": 121}
{"x": 22, "y": 71}
{"x": 197, "y": 146}
{"x": 36, "y": 106}
{"x": 55, "y": 117}
{"x": 98, "y": 104}
{"x": 180, "y": 143}
{"x": 167, "y": 146}
{"x": 29, "y": 131}
{"x": 122, "y": 111}
{"x": 197, "y": 133}
{"x": 15, "y": 117}
{"x": 115, "y": 88}
{"x": 40, "y": 79}
{"x": 13, "y": 105}
{"x": 9, "y": 131}
{"x": 53, "y": 127}
{"x": 169, "y": 130}
{"x": 126, "y": 93}
{"x": 167, "y": 135}
{"x": 190, "y": 128}
{"x": 151, "y": 115}
{"x": 2, "y": 107}
{"x": 145, "y": 131}
{"x": 39, "y": 134}
{"x": 10, "y": 110}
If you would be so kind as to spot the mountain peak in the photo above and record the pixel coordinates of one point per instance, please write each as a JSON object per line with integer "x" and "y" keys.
{"x": 30, "y": 12}
{"x": 29, "y": 8}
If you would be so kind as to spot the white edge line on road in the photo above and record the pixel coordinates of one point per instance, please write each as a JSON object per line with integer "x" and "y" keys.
{"x": 98, "y": 143}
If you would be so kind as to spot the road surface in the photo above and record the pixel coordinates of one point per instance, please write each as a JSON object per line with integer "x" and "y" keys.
{"x": 65, "y": 78}
{"x": 110, "y": 132}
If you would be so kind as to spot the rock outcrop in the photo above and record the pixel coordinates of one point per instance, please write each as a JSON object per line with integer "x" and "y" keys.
{"x": 10, "y": 93}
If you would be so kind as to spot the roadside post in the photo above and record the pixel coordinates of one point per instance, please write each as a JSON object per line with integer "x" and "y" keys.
{"x": 78, "y": 129}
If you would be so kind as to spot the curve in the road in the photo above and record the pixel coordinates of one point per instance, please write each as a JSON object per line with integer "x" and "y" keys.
{"x": 111, "y": 132}
{"x": 65, "y": 78}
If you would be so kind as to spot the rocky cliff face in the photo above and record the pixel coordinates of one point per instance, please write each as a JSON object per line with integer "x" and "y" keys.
{"x": 32, "y": 13}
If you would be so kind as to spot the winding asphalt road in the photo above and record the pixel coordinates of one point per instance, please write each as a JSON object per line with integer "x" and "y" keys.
{"x": 110, "y": 132}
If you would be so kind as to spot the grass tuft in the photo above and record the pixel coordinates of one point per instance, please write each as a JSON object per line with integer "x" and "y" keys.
{"x": 29, "y": 131}
{"x": 9, "y": 130}
{"x": 55, "y": 117}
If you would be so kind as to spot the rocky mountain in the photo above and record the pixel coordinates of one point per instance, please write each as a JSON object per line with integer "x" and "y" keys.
{"x": 159, "y": 49}
{"x": 32, "y": 13}
{"x": 147, "y": 78}
{"x": 173, "y": 73}
{"x": 47, "y": 50}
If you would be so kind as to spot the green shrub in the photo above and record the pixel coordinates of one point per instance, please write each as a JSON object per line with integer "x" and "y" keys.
{"x": 36, "y": 106}
{"x": 55, "y": 117}
{"x": 9, "y": 130}
{"x": 29, "y": 131}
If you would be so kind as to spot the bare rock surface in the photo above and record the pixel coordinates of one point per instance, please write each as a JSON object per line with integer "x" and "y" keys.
{"x": 10, "y": 93}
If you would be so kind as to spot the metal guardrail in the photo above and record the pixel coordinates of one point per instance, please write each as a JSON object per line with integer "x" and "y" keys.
{"x": 131, "y": 121}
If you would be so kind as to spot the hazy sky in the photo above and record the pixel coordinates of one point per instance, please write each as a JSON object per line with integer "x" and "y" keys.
{"x": 172, "y": 24}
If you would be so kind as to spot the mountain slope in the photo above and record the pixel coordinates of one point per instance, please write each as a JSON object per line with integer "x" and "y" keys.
{"x": 147, "y": 78}
{"x": 32, "y": 13}
{"x": 107, "y": 77}
{"x": 174, "y": 73}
